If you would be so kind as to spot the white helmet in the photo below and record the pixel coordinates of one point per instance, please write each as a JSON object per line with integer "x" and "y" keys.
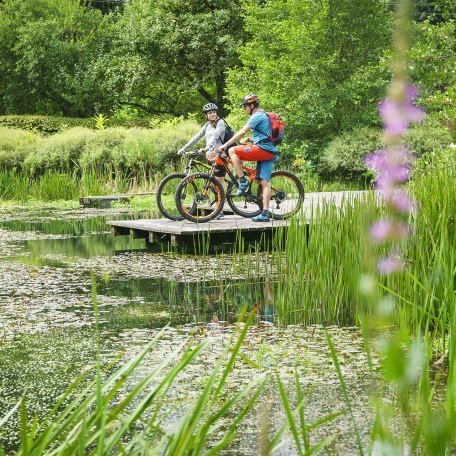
{"x": 210, "y": 107}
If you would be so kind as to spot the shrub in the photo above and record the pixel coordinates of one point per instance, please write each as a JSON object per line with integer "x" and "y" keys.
{"x": 104, "y": 150}
{"x": 60, "y": 152}
{"x": 436, "y": 160}
{"x": 427, "y": 138}
{"x": 344, "y": 155}
{"x": 134, "y": 150}
{"x": 50, "y": 125}
{"x": 14, "y": 146}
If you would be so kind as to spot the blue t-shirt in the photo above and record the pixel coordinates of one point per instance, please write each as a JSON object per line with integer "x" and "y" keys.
{"x": 259, "y": 123}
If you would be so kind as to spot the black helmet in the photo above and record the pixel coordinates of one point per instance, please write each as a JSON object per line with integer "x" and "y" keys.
{"x": 251, "y": 98}
{"x": 210, "y": 107}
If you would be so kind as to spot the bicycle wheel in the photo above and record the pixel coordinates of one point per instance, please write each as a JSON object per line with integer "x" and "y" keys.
{"x": 200, "y": 198}
{"x": 165, "y": 196}
{"x": 247, "y": 205}
{"x": 287, "y": 194}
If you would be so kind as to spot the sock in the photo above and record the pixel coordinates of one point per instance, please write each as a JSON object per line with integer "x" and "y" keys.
{"x": 242, "y": 179}
{"x": 265, "y": 212}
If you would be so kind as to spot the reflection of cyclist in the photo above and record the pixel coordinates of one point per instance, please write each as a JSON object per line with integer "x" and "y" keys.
{"x": 263, "y": 151}
{"x": 214, "y": 130}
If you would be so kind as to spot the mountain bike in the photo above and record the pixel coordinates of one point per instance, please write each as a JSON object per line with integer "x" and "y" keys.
{"x": 168, "y": 186}
{"x": 200, "y": 197}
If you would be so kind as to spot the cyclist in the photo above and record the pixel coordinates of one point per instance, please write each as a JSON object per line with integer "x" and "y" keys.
{"x": 263, "y": 151}
{"x": 214, "y": 130}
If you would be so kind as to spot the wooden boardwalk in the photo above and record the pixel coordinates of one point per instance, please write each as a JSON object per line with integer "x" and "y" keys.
{"x": 156, "y": 231}
{"x": 104, "y": 202}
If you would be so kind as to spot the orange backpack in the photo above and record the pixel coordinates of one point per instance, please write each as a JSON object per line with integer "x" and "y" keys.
{"x": 277, "y": 128}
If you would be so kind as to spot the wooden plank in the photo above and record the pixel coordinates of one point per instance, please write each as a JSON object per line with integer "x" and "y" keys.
{"x": 230, "y": 223}
{"x": 156, "y": 230}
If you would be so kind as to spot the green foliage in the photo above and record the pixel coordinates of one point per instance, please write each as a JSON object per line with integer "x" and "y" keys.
{"x": 50, "y": 125}
{"x": 427, "y": 138}
{"x": 47, "y": 48}
{"x": 171, "y": 57}
{"x": 52, "y": 186}
{"x": 435, "y": 161}
{"x": 344, "y": 155}
{"x": 100, "y": 121}
{"x": 14, "y": 146}
{"x": 318, "y": 63}
{"x": 432, "y": 57}
{"x": 58, "y": 152}
{"x": 135, "y": 150}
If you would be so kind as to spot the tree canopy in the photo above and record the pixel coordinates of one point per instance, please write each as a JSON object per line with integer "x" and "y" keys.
{"x": 323, "y": 65}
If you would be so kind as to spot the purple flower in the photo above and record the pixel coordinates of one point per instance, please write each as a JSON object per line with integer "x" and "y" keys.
{"x": 413, "y": 113}
{"x": 377, "y": 161}
{"x": 381, "y": 230}
{"x": 390, "y": 265}
{"x": 387, "y": 230}
{"x": 391, "y": 166}
{"x": 393, "y": 119}
{"x": 401, "y": 202}
{"x": 397, "y": 116}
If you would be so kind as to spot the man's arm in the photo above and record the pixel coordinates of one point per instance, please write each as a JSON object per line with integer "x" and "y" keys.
{"x": 236, "y": 137}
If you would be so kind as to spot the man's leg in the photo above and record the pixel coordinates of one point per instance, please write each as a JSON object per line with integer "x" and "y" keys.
{"x": 237, "y": 162}
{"x": 266, "y": 194}
{"x": 263, "y": 173}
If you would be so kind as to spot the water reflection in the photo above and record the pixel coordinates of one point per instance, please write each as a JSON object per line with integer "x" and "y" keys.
{"x": 71, "y": 224}
{"x": 55, "y": 242}
{"x": 58, "y": 252}
{"x": 153, "y": 303}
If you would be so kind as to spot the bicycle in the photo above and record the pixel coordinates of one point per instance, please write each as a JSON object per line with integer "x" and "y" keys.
{"x": 200, "y": 197}
{"x": 169, "y": 184}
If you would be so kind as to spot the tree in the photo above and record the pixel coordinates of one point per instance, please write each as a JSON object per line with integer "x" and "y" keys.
{"x": 171, "y": 56}
{"x": 47, "y": 48}
{"x": 319, "y": 63}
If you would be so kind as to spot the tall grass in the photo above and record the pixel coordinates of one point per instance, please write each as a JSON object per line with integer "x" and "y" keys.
{"x": 324, "y": 261}
{"x": 54, "y": 185}
{"x": 322, "y": 280}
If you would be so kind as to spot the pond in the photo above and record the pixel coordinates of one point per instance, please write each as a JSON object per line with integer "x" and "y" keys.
{"x": 48, "y": 260}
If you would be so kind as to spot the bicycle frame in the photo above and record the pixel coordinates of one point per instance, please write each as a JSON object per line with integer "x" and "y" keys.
{"x": 194, "y": 163}
{"x": 232, "y": 179}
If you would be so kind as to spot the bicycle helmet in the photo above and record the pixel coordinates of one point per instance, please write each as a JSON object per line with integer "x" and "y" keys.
{"x": 210, "y": 107}
{"x": 251, "y": 98}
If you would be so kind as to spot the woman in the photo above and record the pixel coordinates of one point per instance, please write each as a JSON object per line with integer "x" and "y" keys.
{"x": 215, "y": 130}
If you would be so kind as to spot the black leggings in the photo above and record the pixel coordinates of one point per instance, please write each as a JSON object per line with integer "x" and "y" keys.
{"x": 220, "y": 171}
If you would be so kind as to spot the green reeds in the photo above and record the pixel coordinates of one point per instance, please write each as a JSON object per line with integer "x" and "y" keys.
{"x": 20, "y": 186}
{"x": 100, "y": 415}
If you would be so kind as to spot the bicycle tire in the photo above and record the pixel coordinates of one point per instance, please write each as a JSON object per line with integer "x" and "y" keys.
{"x": 248, "y": 205}
{"x": 201, "y": 201}
{"x": 287, "y": 194}
{"x": 167, "y": 186}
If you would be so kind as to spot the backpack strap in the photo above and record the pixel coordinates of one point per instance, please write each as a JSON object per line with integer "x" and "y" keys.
{"x": 265, "y": 134}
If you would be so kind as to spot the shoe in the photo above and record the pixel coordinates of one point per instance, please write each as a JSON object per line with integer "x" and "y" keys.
{"x": 242, "y": 188}
{"x": 262, "y": 217}
{"x": 220, "y": 216}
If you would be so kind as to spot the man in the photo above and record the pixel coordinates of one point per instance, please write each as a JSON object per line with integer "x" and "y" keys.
{"x": 263, "y": 151}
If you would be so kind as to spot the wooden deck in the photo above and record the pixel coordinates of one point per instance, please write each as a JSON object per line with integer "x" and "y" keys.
{"x": 225, "y": 230}
{"x": 104, "y": 202}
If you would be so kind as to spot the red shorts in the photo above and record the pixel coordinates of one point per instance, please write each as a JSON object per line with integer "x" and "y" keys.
{"x": 265, "y": 160}
{"x": 253, "y": 153}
